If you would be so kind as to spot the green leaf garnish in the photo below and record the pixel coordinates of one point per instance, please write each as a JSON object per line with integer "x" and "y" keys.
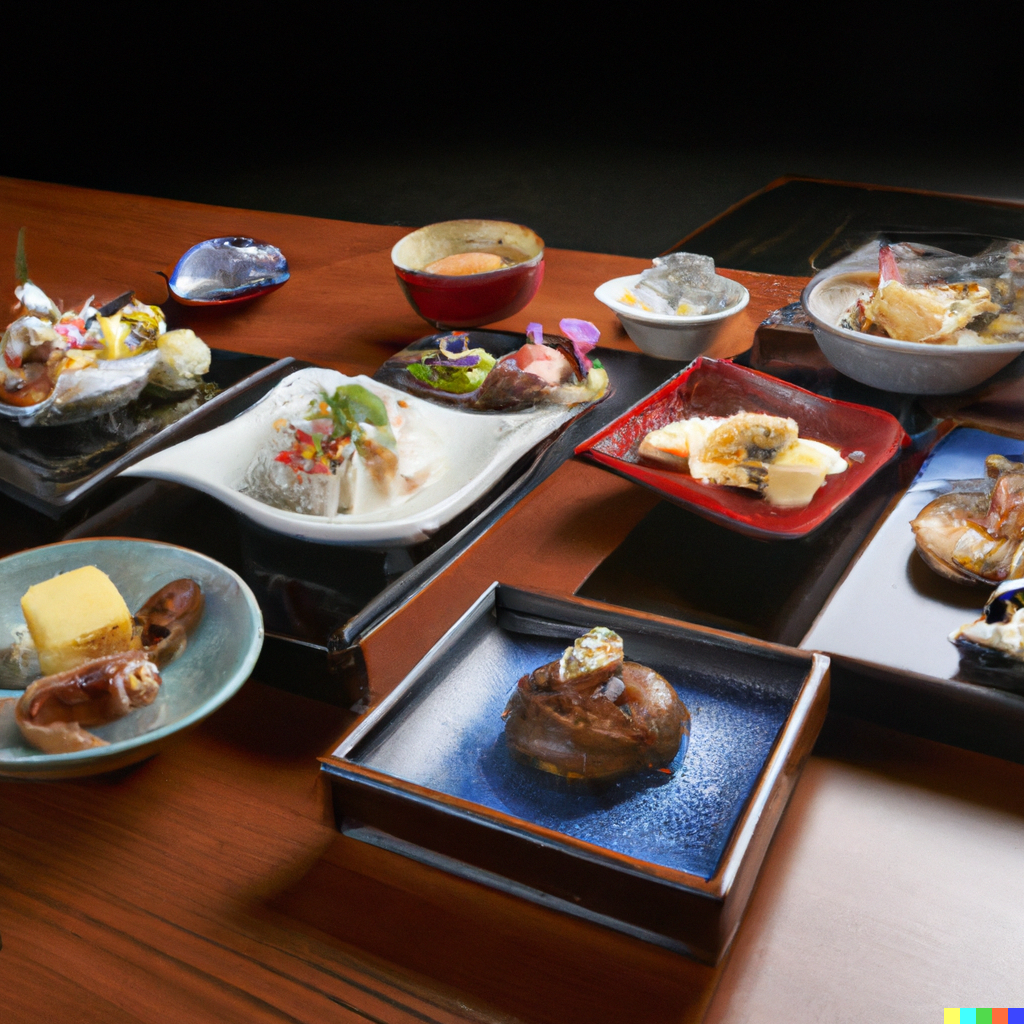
{"x": 456, "y": 380}
{"x": 354, "y": 407}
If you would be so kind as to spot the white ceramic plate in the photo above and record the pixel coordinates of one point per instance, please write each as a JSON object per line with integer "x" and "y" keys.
{"x": 478, "y": 450}
{"x": 217, "y": 660}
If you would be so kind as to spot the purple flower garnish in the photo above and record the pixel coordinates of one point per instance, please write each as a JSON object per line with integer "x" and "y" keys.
{"x": 455, "y": 344}
{"x": 442, "y": 359}
{"x": 535, "y": 332}
{"x": 584, "y": 336}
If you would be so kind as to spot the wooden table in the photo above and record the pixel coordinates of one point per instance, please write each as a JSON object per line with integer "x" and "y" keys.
{"x": 208, "y": 883}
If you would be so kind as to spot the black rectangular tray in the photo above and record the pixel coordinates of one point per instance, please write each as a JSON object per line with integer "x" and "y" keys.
{"x": 670, "y": 858}
{"x": 53, "y": 469}
{"x": 887, "y": 622}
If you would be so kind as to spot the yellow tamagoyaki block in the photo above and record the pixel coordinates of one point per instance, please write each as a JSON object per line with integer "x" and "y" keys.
{"x": 76, "y": 617}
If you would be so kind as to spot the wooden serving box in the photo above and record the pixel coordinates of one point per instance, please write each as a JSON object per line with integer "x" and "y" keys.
{"x": 669, "y": 858}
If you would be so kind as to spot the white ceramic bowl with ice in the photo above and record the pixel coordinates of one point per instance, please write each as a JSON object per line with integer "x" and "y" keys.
{"x": 668, "y": 336}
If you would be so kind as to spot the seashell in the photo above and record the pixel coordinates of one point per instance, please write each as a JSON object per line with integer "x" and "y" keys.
{"x": 975, "y": 533}
{"x": 36, "y": 301}
{"x": 228, "y": 269}
{"x": 992, "y": 646}
{"x": 82, "y": 394}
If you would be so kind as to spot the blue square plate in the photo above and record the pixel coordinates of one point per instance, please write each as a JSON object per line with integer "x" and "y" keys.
{"x": 669, "y": 857}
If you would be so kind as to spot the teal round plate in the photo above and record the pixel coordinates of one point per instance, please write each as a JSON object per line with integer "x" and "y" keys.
{"x": 218, "y": 658}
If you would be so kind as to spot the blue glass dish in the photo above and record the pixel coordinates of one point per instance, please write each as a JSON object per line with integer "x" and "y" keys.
{"x": 228, "y": 269}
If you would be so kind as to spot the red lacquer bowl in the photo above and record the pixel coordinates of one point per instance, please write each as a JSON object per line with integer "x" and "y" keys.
{"x": 470, "y": 300}
{"x": 708, "y": 387}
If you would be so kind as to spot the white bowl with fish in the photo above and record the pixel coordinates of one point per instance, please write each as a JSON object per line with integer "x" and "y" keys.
{"x": 676, "y": 309}
{"x": 954, "y": 316}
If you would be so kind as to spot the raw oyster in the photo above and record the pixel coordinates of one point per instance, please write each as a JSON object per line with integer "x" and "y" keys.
{"x": 226, "y": 270}
{"x": 975, "y": 534}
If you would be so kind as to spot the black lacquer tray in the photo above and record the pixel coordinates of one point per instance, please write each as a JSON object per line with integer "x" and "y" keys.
{"x": 53, "y": 469}
{"x": 670, "y": 858}
{"x": 800, "y": 225}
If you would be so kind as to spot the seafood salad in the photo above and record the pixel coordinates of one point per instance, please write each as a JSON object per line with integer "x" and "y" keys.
{"x": 98, "y": 661}
{"x": 975, "y": 533}
{"x": 549, "y": 370}
{"x": 347, "y": 451}
{"x": 593, "y": 715}
{"x": 64, "y": 367}
{"x": 933, "y": 297}
{"x": 754, "y": 451}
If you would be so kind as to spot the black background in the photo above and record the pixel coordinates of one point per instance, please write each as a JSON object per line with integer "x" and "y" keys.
{"x": 616, "y": 130}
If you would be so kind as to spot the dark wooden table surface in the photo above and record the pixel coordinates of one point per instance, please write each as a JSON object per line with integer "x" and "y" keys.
{"x": 209, "y": 883}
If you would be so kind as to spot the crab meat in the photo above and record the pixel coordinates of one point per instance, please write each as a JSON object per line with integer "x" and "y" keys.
{"x": 931, "y": 313}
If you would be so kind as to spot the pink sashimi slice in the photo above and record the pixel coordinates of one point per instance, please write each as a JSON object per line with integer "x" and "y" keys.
{"x": 547, "y": 363}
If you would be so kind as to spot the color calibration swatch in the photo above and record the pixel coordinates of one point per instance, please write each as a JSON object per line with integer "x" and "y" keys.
{"x": 982, "y": 1015}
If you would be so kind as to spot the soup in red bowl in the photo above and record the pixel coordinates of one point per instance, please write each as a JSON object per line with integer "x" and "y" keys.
{"x": 466, "y": 273}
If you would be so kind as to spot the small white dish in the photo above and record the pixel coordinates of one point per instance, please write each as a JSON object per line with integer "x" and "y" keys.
{"x": 478, "y": 451}
{"x": 662, "y": 335}
{"x": 909, "y": 367}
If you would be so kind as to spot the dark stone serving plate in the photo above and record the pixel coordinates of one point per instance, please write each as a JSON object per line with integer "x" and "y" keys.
{"x": 52, "y": 469}
{"x": 669, "y": 857}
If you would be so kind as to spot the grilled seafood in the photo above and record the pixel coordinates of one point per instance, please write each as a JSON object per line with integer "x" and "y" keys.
{"x": 977, "y": 535}
{"x": 53, "y": 710}
{"x": 935, "y": 313}
{"x": 592, "y": 715}
{"x": 749, "y": 450}
{"x": 166, "y": 619}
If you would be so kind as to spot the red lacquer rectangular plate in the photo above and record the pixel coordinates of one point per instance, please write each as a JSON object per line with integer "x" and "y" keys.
{"x": 710, "y": 387}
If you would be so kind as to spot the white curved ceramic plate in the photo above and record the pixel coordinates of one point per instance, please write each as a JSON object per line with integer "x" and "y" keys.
{"x": 479, "y": 450}
{"x": 217, "y": 660}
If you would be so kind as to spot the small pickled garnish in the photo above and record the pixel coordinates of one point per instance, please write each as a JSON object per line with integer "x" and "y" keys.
{"x": 595, "y": 650}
